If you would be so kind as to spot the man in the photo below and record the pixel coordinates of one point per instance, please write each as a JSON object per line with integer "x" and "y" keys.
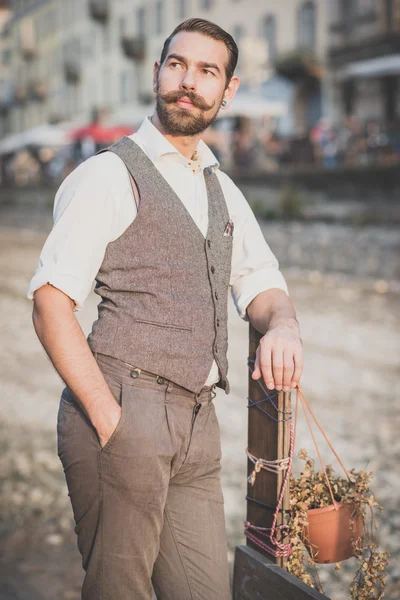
{"x": 165, "y": 233}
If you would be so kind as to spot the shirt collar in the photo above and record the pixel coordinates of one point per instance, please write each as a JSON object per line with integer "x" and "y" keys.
{"x": 157, "y": 146}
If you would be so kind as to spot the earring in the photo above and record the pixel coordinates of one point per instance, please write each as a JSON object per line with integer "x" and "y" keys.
{"x": 224, "y": 103}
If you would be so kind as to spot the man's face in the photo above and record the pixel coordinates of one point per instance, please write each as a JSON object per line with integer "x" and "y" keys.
{"x": 190, "y": 84}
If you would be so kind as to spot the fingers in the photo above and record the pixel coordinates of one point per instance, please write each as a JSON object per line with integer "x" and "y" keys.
{"x": 266, "y": 365}
{"x": 279, "y": 364}
{"x": 281, "y": 369}
{"x": 257, "y": 371}
{"x": 298, "y": 368}
{"x": 288, "y": 369}
{"x": 277, "y": 367}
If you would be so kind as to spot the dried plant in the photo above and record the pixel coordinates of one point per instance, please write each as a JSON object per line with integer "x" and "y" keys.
{"x": 310, "y": 490}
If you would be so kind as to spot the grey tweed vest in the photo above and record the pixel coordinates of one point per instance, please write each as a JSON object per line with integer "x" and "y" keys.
{"x": 163, "y": 286}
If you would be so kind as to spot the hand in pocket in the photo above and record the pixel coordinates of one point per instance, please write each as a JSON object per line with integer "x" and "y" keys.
{"x": 109, "y": 424}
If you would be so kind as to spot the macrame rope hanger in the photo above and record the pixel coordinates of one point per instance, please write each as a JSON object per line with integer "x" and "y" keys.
{"x": 269, "y": 538}
{"x": 272, "y": 543}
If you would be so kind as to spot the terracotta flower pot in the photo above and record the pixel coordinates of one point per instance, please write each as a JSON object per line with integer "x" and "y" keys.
{"x": 330, "y": 533}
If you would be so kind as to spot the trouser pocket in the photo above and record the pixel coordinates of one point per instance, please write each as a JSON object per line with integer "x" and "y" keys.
{"x": 78, "y": 450}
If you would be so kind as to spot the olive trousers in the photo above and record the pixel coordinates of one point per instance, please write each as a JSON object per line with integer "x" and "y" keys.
{"x": 148, "y": 506}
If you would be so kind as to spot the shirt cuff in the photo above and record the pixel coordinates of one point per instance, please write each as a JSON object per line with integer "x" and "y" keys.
{"x": 65, "y": 283}
{"x": 246, "y": 288}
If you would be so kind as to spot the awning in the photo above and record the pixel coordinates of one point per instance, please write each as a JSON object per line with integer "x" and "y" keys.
{"x": 250, "y": 104}
{"x": 42, "y": 135}
{"x": 373, "y": 67}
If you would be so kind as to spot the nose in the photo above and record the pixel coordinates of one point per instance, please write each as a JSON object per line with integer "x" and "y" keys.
{"x": 188, "y": 82}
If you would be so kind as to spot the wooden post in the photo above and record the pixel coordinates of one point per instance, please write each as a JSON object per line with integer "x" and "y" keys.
{"x": 268, "y": 438}
{"x": 257, "y": 573}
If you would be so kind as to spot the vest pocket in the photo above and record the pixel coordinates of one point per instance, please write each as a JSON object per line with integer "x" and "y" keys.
{"x": 163, "y": 325}
{"x": 227, "y": 238}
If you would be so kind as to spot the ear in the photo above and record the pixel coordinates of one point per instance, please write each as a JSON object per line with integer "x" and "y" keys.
{"x": 156, "y": 70}
{"x": 231, "y": 90}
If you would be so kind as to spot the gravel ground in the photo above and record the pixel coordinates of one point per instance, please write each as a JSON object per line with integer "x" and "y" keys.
{"x": 349, "y": 322}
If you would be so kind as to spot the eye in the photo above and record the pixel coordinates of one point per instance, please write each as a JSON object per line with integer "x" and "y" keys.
{"x": 208, "y": 72}
{"x": 174, "y": 64}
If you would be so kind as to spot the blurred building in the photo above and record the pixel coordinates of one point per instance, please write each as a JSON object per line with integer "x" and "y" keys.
{"x": 364, "y": 59}
{"x": 5, "y": 69}
{"x": 64, "y": 58}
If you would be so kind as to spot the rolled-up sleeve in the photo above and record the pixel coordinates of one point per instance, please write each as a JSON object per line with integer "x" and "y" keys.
{"x": 84, "y": 223}
{"x": 255, "y": 268}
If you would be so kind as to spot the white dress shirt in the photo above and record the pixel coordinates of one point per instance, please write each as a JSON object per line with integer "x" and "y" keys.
{"x": 95, "y": 205}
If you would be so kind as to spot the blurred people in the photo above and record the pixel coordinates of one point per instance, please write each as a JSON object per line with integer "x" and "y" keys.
{"x": 356, "y": 142}
{"x": 273, "y": 150}
{"x": 244, "y": 144}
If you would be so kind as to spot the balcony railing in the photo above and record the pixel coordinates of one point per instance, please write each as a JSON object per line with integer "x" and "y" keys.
{"x": 28, "y": 52}
{"x": 364, "y": 49}
{"x": 20, "y": 94}
{"x": 72, "y": 70}
{"x": 27, "y": 37}
{"x": 99, "y": 10}
{"x": 134, "y": 47}
{"x": 345, "y": 27}
{"x": 38, "y": 90}
{"x": 6, "y": 96}
{"x": 298, "y": 65}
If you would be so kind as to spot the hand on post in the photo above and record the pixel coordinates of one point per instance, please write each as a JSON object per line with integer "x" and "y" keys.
{"x": 279, "y": 356}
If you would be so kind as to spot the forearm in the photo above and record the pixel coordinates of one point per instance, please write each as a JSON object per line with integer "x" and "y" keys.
{"x": 64, "y": 341}
{"x": 269, "y": 308}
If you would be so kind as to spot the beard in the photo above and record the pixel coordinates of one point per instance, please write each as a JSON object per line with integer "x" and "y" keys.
{"x": 180, "y": 121}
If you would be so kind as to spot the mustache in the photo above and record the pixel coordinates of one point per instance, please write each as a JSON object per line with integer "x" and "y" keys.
{"x": 197, "y": 101}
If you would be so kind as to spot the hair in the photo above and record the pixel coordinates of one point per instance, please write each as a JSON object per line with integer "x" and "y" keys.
{"x": 210, "y": 30}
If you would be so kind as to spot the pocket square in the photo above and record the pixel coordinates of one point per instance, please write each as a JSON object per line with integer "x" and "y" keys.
{"x": 229, "y": 228}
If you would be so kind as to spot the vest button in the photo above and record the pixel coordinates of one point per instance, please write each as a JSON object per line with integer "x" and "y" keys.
{"x": 216, "y": 349}
{"x": 216, "y": 295}
{"x": 209, "y": 243}
{"x": 212, "y": 269}
{"x": 217, "y": 322}
{"x": 160, "y": 380}
{"x": 135, "y": 373}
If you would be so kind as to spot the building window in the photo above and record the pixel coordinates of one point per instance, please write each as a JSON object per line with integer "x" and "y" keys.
{"x": 141, "y": 20}
{"x": 389, "y": 92}
{"x": 388, "y": 14}
{"x": 6, "y": 56}
{"x": 159, "y": 17}
{"x": 348, "y": 9}
{"x": 348, "y": 94}
{"x": 106, "y": 39}
{"x": 122, "y": 26}
{"x": 107, "y": 86}
{"x": 348, "y": 13}
{"x": 124, "y": 87}
{"x": 237, "y": 33}
{"x": 268, "y": 32}
{"x": 77, "y": 49}
{"x": 182, "y": 9}
{"x": 307, "y": 26}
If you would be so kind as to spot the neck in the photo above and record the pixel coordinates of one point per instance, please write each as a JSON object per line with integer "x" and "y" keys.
{"x": 185, "y": 144}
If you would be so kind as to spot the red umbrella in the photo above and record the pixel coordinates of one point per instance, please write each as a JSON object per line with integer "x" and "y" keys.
{"x": 100, "y": 134}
